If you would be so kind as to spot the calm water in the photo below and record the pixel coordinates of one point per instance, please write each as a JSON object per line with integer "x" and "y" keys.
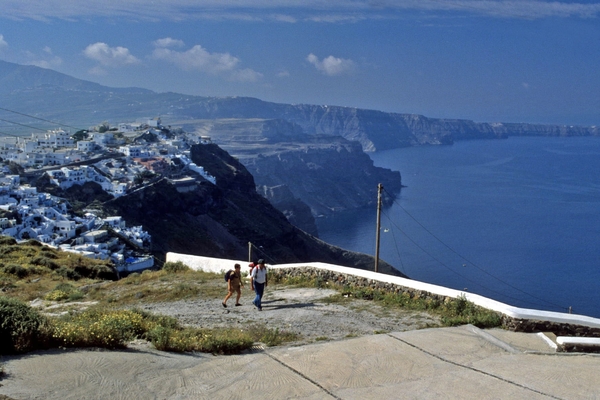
{"x": 516, "y": 220}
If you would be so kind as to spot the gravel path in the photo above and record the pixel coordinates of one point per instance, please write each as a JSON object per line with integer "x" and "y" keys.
{"x": 304, "y": 311}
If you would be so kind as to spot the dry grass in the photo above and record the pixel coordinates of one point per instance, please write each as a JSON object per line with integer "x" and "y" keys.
{"x": 158, "y": 286}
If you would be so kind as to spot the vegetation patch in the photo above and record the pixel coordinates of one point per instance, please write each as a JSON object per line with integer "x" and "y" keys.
{"x": 452, "y": 312}
{"x": 22, "y": 328}
{"x": 30, "y": 270}
{"x": 64, "y": 291}
{"x": 271, "y": 337}
{"x": 159, "y": 286}
{"x": 175, "y": 267}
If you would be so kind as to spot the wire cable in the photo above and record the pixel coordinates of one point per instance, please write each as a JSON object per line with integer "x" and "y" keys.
{"x": 26, "y": 126}
{"x": 396, "y": 245}
{"x": 38, "y": 118}
{"x": 471, "y": 262}
{"x": 455, "y": 272}
{"x": 264, "y": 254}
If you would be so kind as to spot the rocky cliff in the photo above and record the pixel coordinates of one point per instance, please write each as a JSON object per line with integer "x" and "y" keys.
{"x": 304, "y": 176}
{"x": 215, "y": 220}
{"x": 334, "y": 175}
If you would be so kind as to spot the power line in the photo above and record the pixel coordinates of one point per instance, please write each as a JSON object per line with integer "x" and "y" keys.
{"x": 38, "y": 118}
{"x": 26, "y": 126}
{"x": 452, "y": 270}
{"x": 467, "y": 260}
{"x": 264, "y": 254}
{"x": 396, "y": 245}
{"x": 11, "y": 135}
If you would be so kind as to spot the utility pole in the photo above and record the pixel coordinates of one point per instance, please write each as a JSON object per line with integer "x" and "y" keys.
{"x": 379, "y": 190}
{"x": 249, "y": 251}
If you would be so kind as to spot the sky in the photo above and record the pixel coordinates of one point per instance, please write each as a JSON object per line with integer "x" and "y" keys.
{"x": 531, "y": 61}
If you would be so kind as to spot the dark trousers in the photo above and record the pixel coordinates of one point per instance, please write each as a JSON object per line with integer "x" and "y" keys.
{"x": 259, "y": 289}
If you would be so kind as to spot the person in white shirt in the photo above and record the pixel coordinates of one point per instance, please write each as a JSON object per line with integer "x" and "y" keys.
{"x": 258, "y": 282}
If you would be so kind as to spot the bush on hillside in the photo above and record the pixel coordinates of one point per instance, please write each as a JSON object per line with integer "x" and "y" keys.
{"x": 16, "y": 270}
{"x": 7, "y": 241}
{"x": 45, "y": 262}
{"x": 96, "y": 271}
{"x": 175, "y": 267}
{"x": 22, "y": 328}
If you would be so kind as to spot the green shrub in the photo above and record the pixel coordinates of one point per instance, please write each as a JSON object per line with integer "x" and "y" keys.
{"x": 76, "y": 295}
{"x": 22, "y": 328}
{"x": 64, "y": 291}
{"x": 96, "y": 271}
{"x": 270, "y": 337}
{"x": 227, "y": 342}
{"x": 44, "y": 261}
{"x": 16, "y": 270}
{"x": 460, "y": 311}
{"x": 7, "y": 241}
{"x": 68, "y": 273}
{"x": 57, "y": 295}
{"x": 175, "y": 267}
{"x": 153, "y": 320}
{"x": 48, "y": 252}
{"x": 160, "y": 337}
{"x": 97, "y": 328}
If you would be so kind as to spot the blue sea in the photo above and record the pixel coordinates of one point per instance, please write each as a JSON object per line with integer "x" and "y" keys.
{"x": 516, "y": 220}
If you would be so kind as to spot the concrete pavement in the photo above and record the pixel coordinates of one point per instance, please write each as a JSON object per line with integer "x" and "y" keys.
{"x": 439, "y": 363}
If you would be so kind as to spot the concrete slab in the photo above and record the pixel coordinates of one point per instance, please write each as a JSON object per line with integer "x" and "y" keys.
{"x": 381, "y": 366}
{"x": 441, "y": 363}
{"x": 524, "y": 342}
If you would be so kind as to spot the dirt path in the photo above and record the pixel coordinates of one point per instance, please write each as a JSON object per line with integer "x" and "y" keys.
{"x": 304, "y": 311}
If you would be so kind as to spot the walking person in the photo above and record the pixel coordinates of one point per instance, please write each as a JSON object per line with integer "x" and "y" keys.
{"x": 234, "y": 284}
{"x": 258, "y": 282}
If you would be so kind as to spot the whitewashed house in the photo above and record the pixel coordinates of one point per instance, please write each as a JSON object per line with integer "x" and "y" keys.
{"x": 65, "y": 229}
{"x": 128, "y": 127}
{"x": 86, "y": 146}
{"x": 131, "y": 151}
{"x": 114, "y": 222}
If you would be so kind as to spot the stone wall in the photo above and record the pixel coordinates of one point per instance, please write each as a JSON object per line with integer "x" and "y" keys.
{"x": 510, "y": 323}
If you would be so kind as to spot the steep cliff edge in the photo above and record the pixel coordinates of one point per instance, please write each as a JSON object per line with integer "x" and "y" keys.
{"x": 331, "y": 176}
{"x": 304, "y": 176}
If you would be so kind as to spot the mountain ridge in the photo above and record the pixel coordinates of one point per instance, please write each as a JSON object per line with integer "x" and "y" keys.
{"x": 27, "y": 88}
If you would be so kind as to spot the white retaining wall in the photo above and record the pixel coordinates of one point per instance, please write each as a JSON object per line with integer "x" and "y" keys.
{"x": 221, "y": 265}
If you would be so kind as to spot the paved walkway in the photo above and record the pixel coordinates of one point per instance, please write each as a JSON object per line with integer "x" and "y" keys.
{"x": 440, "y": 363}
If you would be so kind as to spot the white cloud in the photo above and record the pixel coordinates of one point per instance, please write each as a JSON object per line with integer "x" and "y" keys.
{"x": 245, "y": 75}
{"x": 331, "y": 65}
{"x": 284, "y": 18}
{"x": 45, "y": 60}
{"x": 3, "y": 43}
{"x": 288, "y": 10}
{"x": 110, "y": 56}
{"x": 199, "y": 59}
{"x": 168, "y": 42}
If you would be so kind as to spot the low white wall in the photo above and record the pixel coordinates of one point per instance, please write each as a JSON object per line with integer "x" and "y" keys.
{"x": 220, "y": 265}
{"x": 206, "y": 264}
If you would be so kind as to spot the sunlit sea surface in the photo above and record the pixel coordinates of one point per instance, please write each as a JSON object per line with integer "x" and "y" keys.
{"x": 516, "y": 220}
